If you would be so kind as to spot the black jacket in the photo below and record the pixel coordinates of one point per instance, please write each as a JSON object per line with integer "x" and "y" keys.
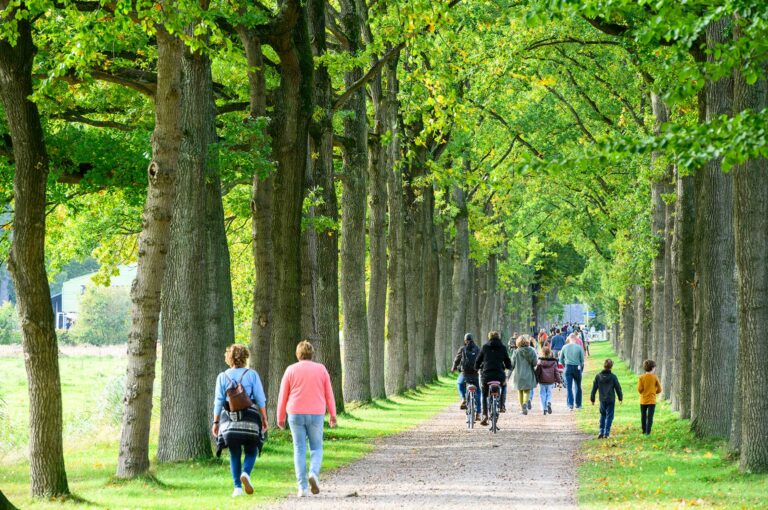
{"x": 458, "y": 361}
{"x": 492, "y": 361}
{"x": 607, "y": 382}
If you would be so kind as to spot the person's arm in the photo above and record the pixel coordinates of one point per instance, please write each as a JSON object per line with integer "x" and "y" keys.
{"x": 457, "y": 359}
{"x": 594, "y": 391}
{"x": 282, "y": 399}
{"x": 480, "y": 359}
{"x": 640, "y": 385}
{"x": 512, "y": 361}
{"x": 658, "y": 386}
{"x": 260, "y": 399}
{"x": 218, "y": 405}
{"x": 330, "y": 401}
{"x": 581, "y": 358}
{"x": 561, "y": 357}
{"x": 619, "y": 393}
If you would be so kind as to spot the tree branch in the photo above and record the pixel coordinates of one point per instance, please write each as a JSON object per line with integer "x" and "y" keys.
{"x": 368, "y": 76}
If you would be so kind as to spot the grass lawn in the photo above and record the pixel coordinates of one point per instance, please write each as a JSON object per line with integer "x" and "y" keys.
{"x": 669, "y": 469}
{"x": 91, "y": 444}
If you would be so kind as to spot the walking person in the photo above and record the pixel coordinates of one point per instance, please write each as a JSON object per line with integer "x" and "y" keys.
{"x": 465, "y": 360}
{"x": 608, "y": 384}
{"x": 572, "y": 356}
{"x": 523, "y": 363}
{"x": 648, "y": 386}
{"x": 491, "y": 362}
{"x": 240, "y": 416}
{"x": 305, "y": 396}
{"x": 557, "y": 343}
{"x": 547, "y": 375}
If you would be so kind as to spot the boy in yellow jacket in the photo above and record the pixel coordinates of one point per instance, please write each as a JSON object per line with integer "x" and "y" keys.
{"x": 648, "y": 386}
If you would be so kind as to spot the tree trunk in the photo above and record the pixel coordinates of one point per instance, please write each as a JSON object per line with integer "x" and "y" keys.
{"x": 4, "y": 503}
{"x": 26, "y": 263}
{"x": 443, "y": 344}
{"x": 133, "y": 459}
{"x": 716, "y": 289}
{"x": 431, "y": 269}
{"x": 750, "y": 181}
{"x": 658, "y": 208}
{"x": 327, "y": 284}
{"x": 627, "y": 326}
{"x": 460, "y": 277}
{"x": 414, "y": 263}
{"x": 357, "y": 386}
{"x": 639, "y": 340}
{"x": 185, "y": 399}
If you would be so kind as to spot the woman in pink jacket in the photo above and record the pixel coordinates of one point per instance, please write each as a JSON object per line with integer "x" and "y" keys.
{"x": 305, "y": 395}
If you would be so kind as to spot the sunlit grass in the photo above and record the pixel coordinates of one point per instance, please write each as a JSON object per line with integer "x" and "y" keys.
{"x": 91, "y": 448}
{"x": 669, "y": 469}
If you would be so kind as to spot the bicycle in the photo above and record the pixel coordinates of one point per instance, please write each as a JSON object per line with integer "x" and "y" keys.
{"x": 471, "y": 391}
{"x": 494, "y": 404}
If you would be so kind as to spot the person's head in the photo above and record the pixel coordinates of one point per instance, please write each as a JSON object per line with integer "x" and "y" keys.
{"x": 468, "y": 339}
{"x": 557, "y": 331}
{"x": 494, "y": 335}
{"x": 546, "y": 352}
{"x": 522, "y": 341}
{"x": 236, "y": 356}
{"x": 649, "y": 365}
{"x": 304, "y": 351}
{"x": 608, "y": 364}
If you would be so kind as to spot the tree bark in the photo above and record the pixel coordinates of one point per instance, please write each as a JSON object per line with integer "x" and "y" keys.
{"x": 443, "y": 344}
{"x": 133, "y": 459}
{"x": 431, "y": 269}
{"x": 26, "y": 263}
{"x": 716, "y": 289}
{"x": 658, "y": 208}
{"x": 627, "y": 326}
{"x": 460, "y": 277}
{"x": 639, "y": 339}
{"x": 750, "y": 181}
{"x": 185, "y": 410}
{"x": 414, "y": 267}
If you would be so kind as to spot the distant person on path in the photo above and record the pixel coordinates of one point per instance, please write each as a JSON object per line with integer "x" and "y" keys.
{"x": 305, "y": 396}
{"x": 543, "y": 338}
{"x": 523, "y": 363}
{"x": 491, "y": 362}
{"x": 575, "y": 338}
{"x": 608, "y": 384}
{"x": 572, "y": 356}
{"x": 557, "y": 343}
{"x": 465, "y": 361}
{"x": 547, "y": 375}
{"x": 648, "y": 386}
{"x": 241, "y": 434}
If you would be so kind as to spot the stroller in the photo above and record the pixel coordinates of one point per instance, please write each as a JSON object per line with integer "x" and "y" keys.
{"x": 561, "y": 371}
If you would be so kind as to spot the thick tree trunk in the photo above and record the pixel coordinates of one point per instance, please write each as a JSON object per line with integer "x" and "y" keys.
{"x": 26, "y": 263}
{"x": 627, "y": 326}
{"x": 327, "y": 284}
{"x": 639, "y": 340}
{"x": 133, "y": 459}
{"x": 431, "y": 269}
{"x": 669, "y": 358}
{"x": 750, "y": 181}
{"x": 443, "y": 344}
{"x": 185, "y": 399}
{"x": 414, "y": 276}
{"x": 716, "y": 290}
{"x": 460, "y": 277}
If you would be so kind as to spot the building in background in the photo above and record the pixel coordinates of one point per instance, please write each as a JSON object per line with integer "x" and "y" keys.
{"x": 66, "y": 305}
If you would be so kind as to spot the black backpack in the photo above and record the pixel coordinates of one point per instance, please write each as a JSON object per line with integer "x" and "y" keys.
{"x": 468, "y": 358}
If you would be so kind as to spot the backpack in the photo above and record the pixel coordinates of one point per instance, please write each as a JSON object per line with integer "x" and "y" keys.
{"x": 236, "y": 396}
{"x": 468, "y": 359}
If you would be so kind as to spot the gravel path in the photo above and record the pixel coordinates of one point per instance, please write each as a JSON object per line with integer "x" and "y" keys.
{"x": 530, "y": 463}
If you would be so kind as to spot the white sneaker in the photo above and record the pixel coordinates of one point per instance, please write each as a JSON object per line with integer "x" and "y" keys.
{"x": 313, "y": 483}
{"x": 237, "y": 492}
{"x": 246, "y": 481}
{"x": 303, "y": 493}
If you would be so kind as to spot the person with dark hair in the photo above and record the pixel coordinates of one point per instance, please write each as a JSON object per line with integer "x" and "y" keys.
{"x": 547, "y": 375}
{"x": 648, "y": 386}
{"x": 491, "y": 362}
{"x": 465, "y": 360}
{"x": 572, "y": 356}
{"x": 557, "y": 343}
{"x": 608, "y": 385}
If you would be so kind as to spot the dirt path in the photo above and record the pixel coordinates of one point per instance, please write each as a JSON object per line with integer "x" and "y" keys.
{"x": 530, "y": 463}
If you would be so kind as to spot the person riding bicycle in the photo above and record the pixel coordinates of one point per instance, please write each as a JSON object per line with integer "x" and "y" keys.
{"x": 465, "y": 360}
{"x": 491, "y": 362}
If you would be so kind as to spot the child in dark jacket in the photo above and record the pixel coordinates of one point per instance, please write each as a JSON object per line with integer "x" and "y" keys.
{"x": 608, "y": 384}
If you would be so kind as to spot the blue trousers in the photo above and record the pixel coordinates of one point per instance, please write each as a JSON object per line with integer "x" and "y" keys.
{"x": 462, "y": 384}
{"x": 573, "y": 379}
{"x": 606, "y": 417}
{"x": 306, "y": 428}
{"x": 545, "y": 391}
{"x": 236, "y": 467}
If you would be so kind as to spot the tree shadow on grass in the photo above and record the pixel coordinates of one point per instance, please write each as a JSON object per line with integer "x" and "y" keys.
{"x": 149, "y": 479}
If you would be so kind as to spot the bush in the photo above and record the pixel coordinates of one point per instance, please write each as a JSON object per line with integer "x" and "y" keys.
{"x": 104, "y": 318}
{"x": 9, "y": 325}
{"x": 112, "y": 401}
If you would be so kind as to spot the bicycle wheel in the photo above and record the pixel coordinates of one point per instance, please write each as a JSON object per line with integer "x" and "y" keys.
{"x": 494, "y": 413}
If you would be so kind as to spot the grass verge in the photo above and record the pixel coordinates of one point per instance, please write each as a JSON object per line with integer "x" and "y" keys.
{"x": 91, "y": 460}
{"x": 670, "y": 469}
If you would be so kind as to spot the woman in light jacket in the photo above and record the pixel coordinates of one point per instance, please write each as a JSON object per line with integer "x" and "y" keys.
{"x": 523, "y": 362}
{"x": 305, "y": 396}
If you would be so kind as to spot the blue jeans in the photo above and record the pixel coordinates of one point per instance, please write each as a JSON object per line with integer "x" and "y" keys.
{"x": 306, "y": 427}
{"x": 462, "y": 383}
{"x": 545, "y": 392}
{"x": 573, "y": 377}
{"x": 530, "y": 397}
{"x": 234, "y": 461}
{"x": 606, "y": 417}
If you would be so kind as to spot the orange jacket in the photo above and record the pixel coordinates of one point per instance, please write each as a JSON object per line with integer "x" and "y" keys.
{"x": 648, "y": 386}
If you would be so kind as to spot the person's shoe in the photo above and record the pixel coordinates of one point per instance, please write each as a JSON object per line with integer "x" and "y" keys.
{"x": 600, "y": 436}
{"x": 529, "y": 405}
{"x": 484, "y": 421}
{"x": 237, "y": 492}
{"x": 606, "y": 436}
{"x": 545, "y": 413}
{"x": 502, "y": 409}
{"x": 314, "y": 486}
{"x": 477, "y": 416}
{"x": 525, "y": 409}
{"x": 578, "y": 407}
{"x": 245, "y": 479}
{"x": 549, "y": 407}
{"x": 570, "y": 408}
{"x": 303, "y": 493}
{"x": 463, "y": 405}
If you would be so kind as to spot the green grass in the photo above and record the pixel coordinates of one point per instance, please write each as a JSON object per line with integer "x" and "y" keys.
{"x": 670, "y": 469}
{"x": 91, "y": 448}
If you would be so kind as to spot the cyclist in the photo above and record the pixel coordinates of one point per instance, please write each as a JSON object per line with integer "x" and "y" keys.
{"x": 465, "y": 359}
{"x": 492, "y": 361}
